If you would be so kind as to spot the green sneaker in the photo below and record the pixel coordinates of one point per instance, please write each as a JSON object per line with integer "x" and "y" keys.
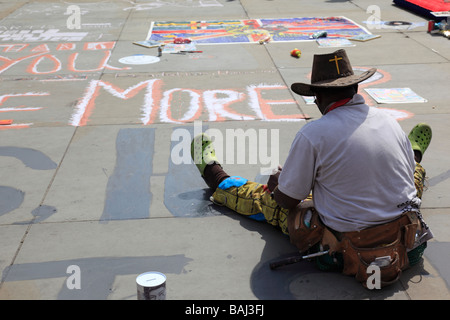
{"x": 202, "y": 152}
{"x": 420, "y": 137}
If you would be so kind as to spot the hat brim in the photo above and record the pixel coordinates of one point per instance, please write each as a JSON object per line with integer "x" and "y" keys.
{"x": 305, "y": 89}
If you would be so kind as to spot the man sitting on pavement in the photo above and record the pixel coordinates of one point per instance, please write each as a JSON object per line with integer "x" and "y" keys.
{"x": 352, "y": 181}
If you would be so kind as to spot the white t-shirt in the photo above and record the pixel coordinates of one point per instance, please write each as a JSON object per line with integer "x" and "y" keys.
{"x": 359, "y": 164}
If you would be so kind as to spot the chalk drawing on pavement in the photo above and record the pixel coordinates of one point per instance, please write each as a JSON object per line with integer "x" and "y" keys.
{"x": 216, "y": 104}
{"x": 157, "y": 102}
{"x": 41, "y": 35}
{"x": 34, "y": 22}
{"x": 253, "y": 30}
{"x": 52, "y": 59}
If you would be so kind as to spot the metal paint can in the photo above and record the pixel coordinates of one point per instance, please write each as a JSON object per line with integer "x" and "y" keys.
{"x": 151, "y": 286}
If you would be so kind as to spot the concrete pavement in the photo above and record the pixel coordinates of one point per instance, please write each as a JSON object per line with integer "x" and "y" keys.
{"x": 93, "y": 166}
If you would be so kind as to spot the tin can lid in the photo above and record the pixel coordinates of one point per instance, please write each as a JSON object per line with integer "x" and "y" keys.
{"x": 150, "y": 279}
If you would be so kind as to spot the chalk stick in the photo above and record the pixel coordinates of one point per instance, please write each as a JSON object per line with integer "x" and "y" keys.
{"x": 6, "y": 122}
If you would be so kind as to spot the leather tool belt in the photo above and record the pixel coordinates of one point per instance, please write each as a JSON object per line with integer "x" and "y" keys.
{"x": 384, "y": 245}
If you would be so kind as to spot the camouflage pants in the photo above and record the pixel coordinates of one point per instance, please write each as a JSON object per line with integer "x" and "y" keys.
{"x": 254, "y": 199}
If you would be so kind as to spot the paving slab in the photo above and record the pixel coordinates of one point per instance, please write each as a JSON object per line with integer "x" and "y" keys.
{"x": 213, "y": 58}
{"x": 96, "y": 173}
{"x": 51, "y": 21}
{"x": 30, "y": 162}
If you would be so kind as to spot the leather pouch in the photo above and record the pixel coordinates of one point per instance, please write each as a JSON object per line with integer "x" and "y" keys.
{"x": 305, "y": 235}
{"x": 383, "y": 245}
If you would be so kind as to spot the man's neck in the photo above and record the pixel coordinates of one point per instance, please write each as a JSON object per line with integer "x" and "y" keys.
{"x": 336, "y": 105}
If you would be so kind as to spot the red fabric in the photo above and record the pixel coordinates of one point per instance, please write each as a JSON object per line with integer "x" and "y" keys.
{"x": 432, "y": 5}
{"x": 338, "y": 104}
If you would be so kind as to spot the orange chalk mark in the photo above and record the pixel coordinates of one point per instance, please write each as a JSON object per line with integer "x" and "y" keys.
{"x": 15, "y": 126}
{"x": 114, "y": 90}
{"x": 102, "y": 65}
{"x": 32, "y": 67}
{"x": 41, "y": 48}
{"x": 65, "y": 46}
{"x": 199, "y": 108}
{"x": 266, "y": 108}
{"x": 10, "y": 62}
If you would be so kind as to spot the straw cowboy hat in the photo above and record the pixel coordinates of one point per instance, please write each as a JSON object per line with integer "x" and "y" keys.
{"x": 331, "y": 70}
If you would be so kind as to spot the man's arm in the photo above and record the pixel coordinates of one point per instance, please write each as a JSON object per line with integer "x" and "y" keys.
{"x": 296, "y": 178}
{"x": 283, "y": 200}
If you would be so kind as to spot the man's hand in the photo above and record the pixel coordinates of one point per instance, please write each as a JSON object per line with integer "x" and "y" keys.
{"x": 273, "y": 179}
{"x": 283, "y": 200}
